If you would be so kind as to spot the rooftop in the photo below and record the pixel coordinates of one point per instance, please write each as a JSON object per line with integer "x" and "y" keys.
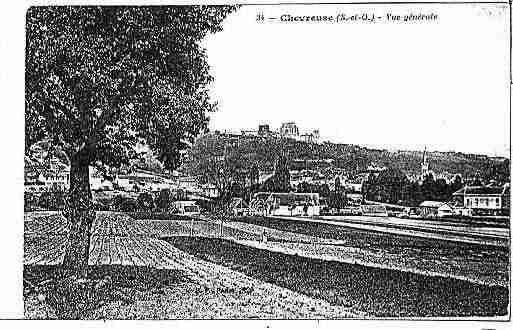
{"x": 482, "y": 190}
{"x": 433, "y": 204}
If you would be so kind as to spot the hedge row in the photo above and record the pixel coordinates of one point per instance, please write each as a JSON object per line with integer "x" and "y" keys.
{"x": 144, "y": 202}
{"x": 145, "y": 215}
{"x": 52, "y": 201}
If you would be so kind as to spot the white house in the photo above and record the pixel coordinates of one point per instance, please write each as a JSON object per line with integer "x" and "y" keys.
{"x": 209, "y": 190}
{"x": 485, "y": 199}
{"x": 97, "y": 180}
{"x": 143, "y": 180}
{"x": 435, "y": 209}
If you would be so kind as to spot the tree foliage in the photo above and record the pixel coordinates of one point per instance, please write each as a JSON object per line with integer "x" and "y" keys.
{"x": 145, "y": 202}
{"x": 280, "y": 180}
{"x": 395, "y": 189}
{"x": 388, "y": 186}
{"x": 101, "y": 79}
{"x": 281, "y": 176}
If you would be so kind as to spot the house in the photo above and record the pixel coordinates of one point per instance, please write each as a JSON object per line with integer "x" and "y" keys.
{"x": 485, "y": 200}
{"x": 435, "y": 209}
{"x": 143, "y": 180}
{"x": 51, "y": 176}
{"x": 291, "y": 204}
{"x": 97, "y": 180}
{"x": 209, "y": 190}
{"x": 356, "y": 198}
{"x": 189, "y": 183}
{"x": 35, "y": 187}
{"x": 353, "y": 186}
{"x": 374, "y": 210}
{"x": 264, "y": 176}
{"x": 238, "y": 206}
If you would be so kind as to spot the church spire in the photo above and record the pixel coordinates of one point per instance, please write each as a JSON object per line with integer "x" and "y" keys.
{"x": 425, "y": 164}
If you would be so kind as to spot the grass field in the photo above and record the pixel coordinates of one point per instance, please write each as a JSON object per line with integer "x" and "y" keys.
{"x": 149, "y": 278}
{"x": 364, "y": 238}
{"x": 379, "y": 292}
{"x": 136, "y": 292}
{"x": 477, "y": 263}
{"x": 218, "y": 278}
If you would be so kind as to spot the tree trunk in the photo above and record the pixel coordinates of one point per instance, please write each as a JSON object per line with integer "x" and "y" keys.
{"x": 80, "y": 215}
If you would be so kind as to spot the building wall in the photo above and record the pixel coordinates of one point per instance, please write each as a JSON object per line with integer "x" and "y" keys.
{"x": 428, "y": 212}
{"x": 313, "y": 210}
{"x": 483, "y": 202}
{"x": 289, "y": 129}
{"x": 505, "y": 201}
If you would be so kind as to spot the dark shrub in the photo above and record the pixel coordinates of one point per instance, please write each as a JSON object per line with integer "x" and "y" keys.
{"x": 164, "y": 200}
{"x": 116, "y": 202}
{"x": 123, "y": 204}
{"x": 129, "y": 205}
{"x": 145, "y": 202}
{"x": 157, "y": 216}
{"x": 100, "y": 206}
{"x": 52, "y": 200}
{"x": 337, "y": 200}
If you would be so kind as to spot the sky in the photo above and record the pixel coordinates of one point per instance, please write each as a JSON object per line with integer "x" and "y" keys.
{"x": 439, "y": 84}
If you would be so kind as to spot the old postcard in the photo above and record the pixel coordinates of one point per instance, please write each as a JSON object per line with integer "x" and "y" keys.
{"x": 267, "y": 161}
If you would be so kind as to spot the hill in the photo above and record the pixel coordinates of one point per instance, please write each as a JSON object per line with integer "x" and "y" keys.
{"x": 262, "y": 152}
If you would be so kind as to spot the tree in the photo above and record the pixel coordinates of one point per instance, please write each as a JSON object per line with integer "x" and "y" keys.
{"x": 477, "y": 181}
{"x": 442, "y": 190}
{"x": 428, "y": 187}
{"x": 390, "y": 186}
{"x": 100, "y": 80}
{"x": 145, "y": 202}
{"x": 338, "y": 186}
{"x": 456, "y": 183}
{"x": 281, "y": 178}
{"x": 337, "y": 198}
{"x": 218, "y": 162}
{"x": 253, "y": 175}
{"x": 414, "y": 194}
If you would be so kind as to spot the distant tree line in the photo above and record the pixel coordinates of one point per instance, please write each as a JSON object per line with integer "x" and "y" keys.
{"x": 392, "y": 186}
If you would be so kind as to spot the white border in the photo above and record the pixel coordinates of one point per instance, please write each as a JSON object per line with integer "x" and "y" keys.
{"x": 12, "y": 43}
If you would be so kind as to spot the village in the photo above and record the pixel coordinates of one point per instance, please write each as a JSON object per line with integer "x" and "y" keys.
{"x": 485, "y": 199}
{"x": 324, "y": 205}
